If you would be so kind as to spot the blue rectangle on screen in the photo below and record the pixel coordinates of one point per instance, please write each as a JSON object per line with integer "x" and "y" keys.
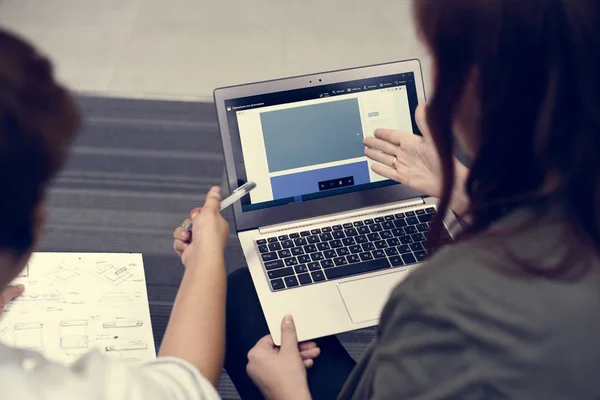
{"x": 302, "y": 183}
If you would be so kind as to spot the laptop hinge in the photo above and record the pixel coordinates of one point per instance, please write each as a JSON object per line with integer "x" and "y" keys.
{"x": 332, "y": 218}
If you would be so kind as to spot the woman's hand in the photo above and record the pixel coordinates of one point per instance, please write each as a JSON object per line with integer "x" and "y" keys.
{"x": 209, "y": 233}
{"x": 413, "y": 161}
{"x": 280, "y": 373}
{"x": 10, "y": 293}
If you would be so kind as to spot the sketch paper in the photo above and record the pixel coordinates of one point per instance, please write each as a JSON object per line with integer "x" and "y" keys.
{"x": 75, "y": 302}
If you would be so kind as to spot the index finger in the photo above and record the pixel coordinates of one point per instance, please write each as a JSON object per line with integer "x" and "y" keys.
{"x": 213, "y": 199}
{"x": 389, "y": 135}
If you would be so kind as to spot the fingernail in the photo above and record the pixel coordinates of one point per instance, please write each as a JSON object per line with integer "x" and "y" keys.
{"x": 184, "y": 234}
{"x": 215, "y": 189}
{"x": 288, "y": 320}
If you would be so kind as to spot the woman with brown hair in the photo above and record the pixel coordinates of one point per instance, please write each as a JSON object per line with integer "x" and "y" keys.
{"x": 511, "y": 309}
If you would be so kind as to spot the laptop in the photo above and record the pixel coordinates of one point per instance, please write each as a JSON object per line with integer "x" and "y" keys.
{"x": 325, "y": 238}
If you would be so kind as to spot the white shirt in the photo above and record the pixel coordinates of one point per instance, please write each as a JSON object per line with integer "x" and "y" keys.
{"x": 27, "y": 375}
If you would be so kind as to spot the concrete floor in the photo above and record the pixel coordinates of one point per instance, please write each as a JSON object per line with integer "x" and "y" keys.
{"x": 186, "y": 48}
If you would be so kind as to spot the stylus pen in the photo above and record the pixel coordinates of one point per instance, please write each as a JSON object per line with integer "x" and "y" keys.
{"x": 236, "y": 195}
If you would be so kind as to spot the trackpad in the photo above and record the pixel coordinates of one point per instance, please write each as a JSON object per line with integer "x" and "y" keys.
{"x": 365, "y": 298}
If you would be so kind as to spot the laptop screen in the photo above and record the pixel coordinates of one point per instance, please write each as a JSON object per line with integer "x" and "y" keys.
{"x": 305, "y": 144}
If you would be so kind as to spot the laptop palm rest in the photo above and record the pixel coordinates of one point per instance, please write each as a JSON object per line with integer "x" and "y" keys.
{"x": 365, "y": 298}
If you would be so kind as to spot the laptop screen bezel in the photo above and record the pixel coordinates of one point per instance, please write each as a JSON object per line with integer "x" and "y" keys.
{"x": 322, "y": 206}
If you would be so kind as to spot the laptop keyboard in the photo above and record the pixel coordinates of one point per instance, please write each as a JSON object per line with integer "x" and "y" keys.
{"x": 339, "y": 251}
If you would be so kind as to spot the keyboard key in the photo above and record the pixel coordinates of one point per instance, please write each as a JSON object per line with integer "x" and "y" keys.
{"x": 430, "y": 210}
{"x": 327, "y": 263}
{"x": 396, "y": 261}
{"x": 261, "y": 241}
{"x": 263, "y": 248}
{"x": 369, "y": 221}
{"x": 420, "y": 212}
{"x": 358, "y": 268}
{"x": 376, "y": 228}
{"x": 343, "y": 251}
{"x": 410, "y": 214}
{"x": 300, "y": 269}
{"x": 388, "y": 225}
{"x": 393, "y": 242}
{"x": 347, "y": 225}
{"x": 287, "y": 244}
{"x": 403, "y": 249}
{"x": 283, "y": 237}
{"x": 418, "y": 237}
{"x": 335, "y": 244}
{"x": 410, "y": 230}
{"x": 325, "y": 237}
{"x": 318, "y": 276}
{"x": 373, "y": 237}
{"x": 399, "y": 215}
{"x": 269, "y": 256}
{"x": 277, "y": 284}
{"x": 294, "y": 235}
{"x": 305, "y": 233}
{"x": 416, "y": 246}
{"x": 296, "y": 251}
{"x": 314, "y": 266}
{"x": 284, "y": 253}
{"x": 303, "y": 259}
{"x": 311, "y": 248}
{"x": 313, "y": 239}
{"x": 400, "y": 223}
{"x": 355, "y": 249}
{"x": 406, "y": 239}
{"x": 348, "y": 241}
{"x": 300, "y": 242}
{"x": 273, "y": 264}
{"x": 366, "y": 256}
{"x": 420, "y": 255}
{"x": 272, "y": 240}
{"x": 291, "y": 281}
{"x": 426, "y": 218}
{"x": 412, "y": 220}
{"x": 422, "y": 228}
{"x": 361, "y": 239}
{"x": 391, "y": 251}
{"x": 315, "y": 231}
{"x": 409, "y": 259}
{"x": 358, "y": 223}
{"x": 353, "y": 258}
{"x": 389, "y": 218}
{"x": 381, "y": 244}
{"x": 323, "y": 246}
{"x": 340, "y": 261}
{"x": 378, "y": 254}
{"x": 351, "y": 232}
{"x": 339, "y": 235}
{"x": 385, "y": 234}
{"x": 398, "y": 232}
{"x": 330, "y": 254}
{"x": 274, "y": 246}
{"x": 337, "y": 228}
{"x": 280, "y": 273}
{"x": 363, "y": 230}
{"x": 326, "y": 229}
{"x": 304, "y": 279}
{"x": 368, "y": 246}
{"x": 317, "y": 256}
{"x": 379, "y": 219}
{"x": 290, "y": 262}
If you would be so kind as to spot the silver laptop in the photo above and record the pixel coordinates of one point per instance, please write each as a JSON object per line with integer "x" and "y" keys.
{"x": 326, "y": 239}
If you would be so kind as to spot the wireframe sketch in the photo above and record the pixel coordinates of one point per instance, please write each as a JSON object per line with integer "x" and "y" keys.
{"x": 112, "y": 274}
{"x": 74, "y": 342}
{"x": 44, "y": 296}
{"x": 127, "y": 347}
{"x": 61, "y": 274}
{"x": 29, "y": 336}
{"x": 123, "y": 323}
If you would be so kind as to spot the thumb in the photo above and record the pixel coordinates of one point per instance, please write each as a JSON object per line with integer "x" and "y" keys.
{"x": 289, "y": 338}
{"x": 421, "y": 118}
{"x": 11, "y": 292}
{"x": 213, "y": 199}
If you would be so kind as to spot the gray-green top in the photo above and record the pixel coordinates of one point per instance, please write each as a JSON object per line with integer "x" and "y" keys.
{"x": 471, "y": 325}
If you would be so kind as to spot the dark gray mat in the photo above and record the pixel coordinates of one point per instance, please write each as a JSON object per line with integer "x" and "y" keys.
{"x": 136, "y": 170}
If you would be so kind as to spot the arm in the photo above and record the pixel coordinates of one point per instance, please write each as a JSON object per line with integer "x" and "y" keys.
{"x": 196, "y": 330}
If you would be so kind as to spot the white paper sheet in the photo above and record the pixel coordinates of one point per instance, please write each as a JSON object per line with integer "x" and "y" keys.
{"x": 74, "y": 302}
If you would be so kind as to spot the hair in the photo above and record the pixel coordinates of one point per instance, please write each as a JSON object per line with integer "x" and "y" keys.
{"x": 534, "y": 66}
{"x": 38, "y": 120}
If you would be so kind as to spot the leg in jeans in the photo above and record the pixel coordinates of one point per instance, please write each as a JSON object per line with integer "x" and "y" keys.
{"x": 246, "y": 325}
